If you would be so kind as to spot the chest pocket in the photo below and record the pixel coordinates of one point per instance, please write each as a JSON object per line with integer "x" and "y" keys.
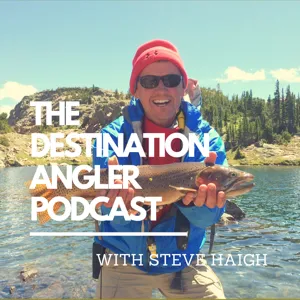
{"x": 182, "y": 224}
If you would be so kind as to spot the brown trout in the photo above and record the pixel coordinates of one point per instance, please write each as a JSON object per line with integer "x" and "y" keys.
{"x": 171, "y": 182}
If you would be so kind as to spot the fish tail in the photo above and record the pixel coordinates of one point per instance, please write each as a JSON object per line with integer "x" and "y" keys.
{"x": 41, "y": 190}
{"x": 38, "y": 190}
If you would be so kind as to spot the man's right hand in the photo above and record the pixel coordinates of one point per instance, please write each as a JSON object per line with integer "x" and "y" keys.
{"x": 126, "y": 194}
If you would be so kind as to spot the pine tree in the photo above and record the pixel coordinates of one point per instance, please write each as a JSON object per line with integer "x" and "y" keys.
{"x": 239, "y": 134}
{"x": 225, "y": 118}
{"x": 268, "y": 132}
{"x": 228, "y": 136}
{"x": 128, "y": 95}
{"x": 276, "y": 116}
{"x": 245, "y": 131}
{"x": 297, "y": 122}
{"x": 116, "y": 94}
{"x": 220, "y": 120}
{"x": 258, "y": 130}
{"x": 283, "y": 113}
{"x": 290, "y": 103}
{"x": 250, "y": 104}
{"x": 269, "y": 100}
{"x": 245, "y": 103}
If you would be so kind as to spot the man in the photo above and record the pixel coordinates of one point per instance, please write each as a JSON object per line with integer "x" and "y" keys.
{"x": 158, "y": 83}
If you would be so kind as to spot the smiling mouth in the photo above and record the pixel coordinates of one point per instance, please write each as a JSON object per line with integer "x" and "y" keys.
{"x": 161, "y": 103}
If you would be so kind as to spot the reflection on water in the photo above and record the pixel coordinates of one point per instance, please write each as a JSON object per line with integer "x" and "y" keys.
{"x": 271, "y": 226}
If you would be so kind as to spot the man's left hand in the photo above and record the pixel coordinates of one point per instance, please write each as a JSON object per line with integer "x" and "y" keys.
{"x": 207, "y": 194}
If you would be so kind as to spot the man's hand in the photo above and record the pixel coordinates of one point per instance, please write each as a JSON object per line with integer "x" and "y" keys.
{"x": 206, "y": 194}
{"x": 126, "y": 194}
{"x": 192, "y": 83}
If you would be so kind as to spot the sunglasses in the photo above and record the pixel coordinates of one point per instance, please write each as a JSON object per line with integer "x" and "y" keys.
{"x": 152, "y": 81}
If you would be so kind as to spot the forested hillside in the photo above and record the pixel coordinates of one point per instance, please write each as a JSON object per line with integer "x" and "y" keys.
{"x": 245, "y": 120}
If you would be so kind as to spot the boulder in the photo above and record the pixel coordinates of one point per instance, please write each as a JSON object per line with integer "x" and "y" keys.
{"x": 54, "y": 290}
{"x": 2, "y": 164}
{"x": 12, "y": 289}
{"x": 27, "y": 274}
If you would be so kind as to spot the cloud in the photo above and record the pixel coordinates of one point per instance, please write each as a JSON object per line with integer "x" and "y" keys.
{"x": 289, "y": 75}
{"x": 16, "y": 91}
{"x": 6, "y": 109}
{"x": 236, "y": 74}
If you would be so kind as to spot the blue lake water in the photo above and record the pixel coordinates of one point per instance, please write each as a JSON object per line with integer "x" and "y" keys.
{"x": 271, "y": 226}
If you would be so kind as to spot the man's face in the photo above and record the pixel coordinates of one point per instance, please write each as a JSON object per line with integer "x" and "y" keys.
{"x": 160, "y": 114}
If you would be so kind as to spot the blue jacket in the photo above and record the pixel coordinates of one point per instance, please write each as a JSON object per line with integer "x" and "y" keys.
{"x": 199, "y": 217}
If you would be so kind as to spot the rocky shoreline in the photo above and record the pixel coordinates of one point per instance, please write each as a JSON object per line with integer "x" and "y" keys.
{"x": 17, "y": 152}
{"x": 268, "y": 154}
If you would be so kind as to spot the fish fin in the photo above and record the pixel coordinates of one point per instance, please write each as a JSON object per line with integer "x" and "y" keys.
{"x": 44, "y": 216}
{"x": 182, "y": 189}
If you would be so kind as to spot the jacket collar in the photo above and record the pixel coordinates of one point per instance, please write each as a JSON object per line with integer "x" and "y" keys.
{"x": 134, "y": 114}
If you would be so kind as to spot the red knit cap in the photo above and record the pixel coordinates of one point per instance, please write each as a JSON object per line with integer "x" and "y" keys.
{"x": 151, "y": 52}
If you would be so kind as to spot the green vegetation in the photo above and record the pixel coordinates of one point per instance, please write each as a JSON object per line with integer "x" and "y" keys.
{"x": 128, "y": 95}
{"x": 247, "y": 120}
{"x": 86, "y": 96}
{"x": 282, "y": 139}
{"x": 4, "y": 141}
{"x": 4, "y": 127}
{"x": 44, "y": 128}
{"x": 239, "y": 154}
{"x": 117, "y": 94}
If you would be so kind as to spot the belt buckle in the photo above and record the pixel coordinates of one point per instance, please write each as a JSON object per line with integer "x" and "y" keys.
{"x": 152, "y": 249}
